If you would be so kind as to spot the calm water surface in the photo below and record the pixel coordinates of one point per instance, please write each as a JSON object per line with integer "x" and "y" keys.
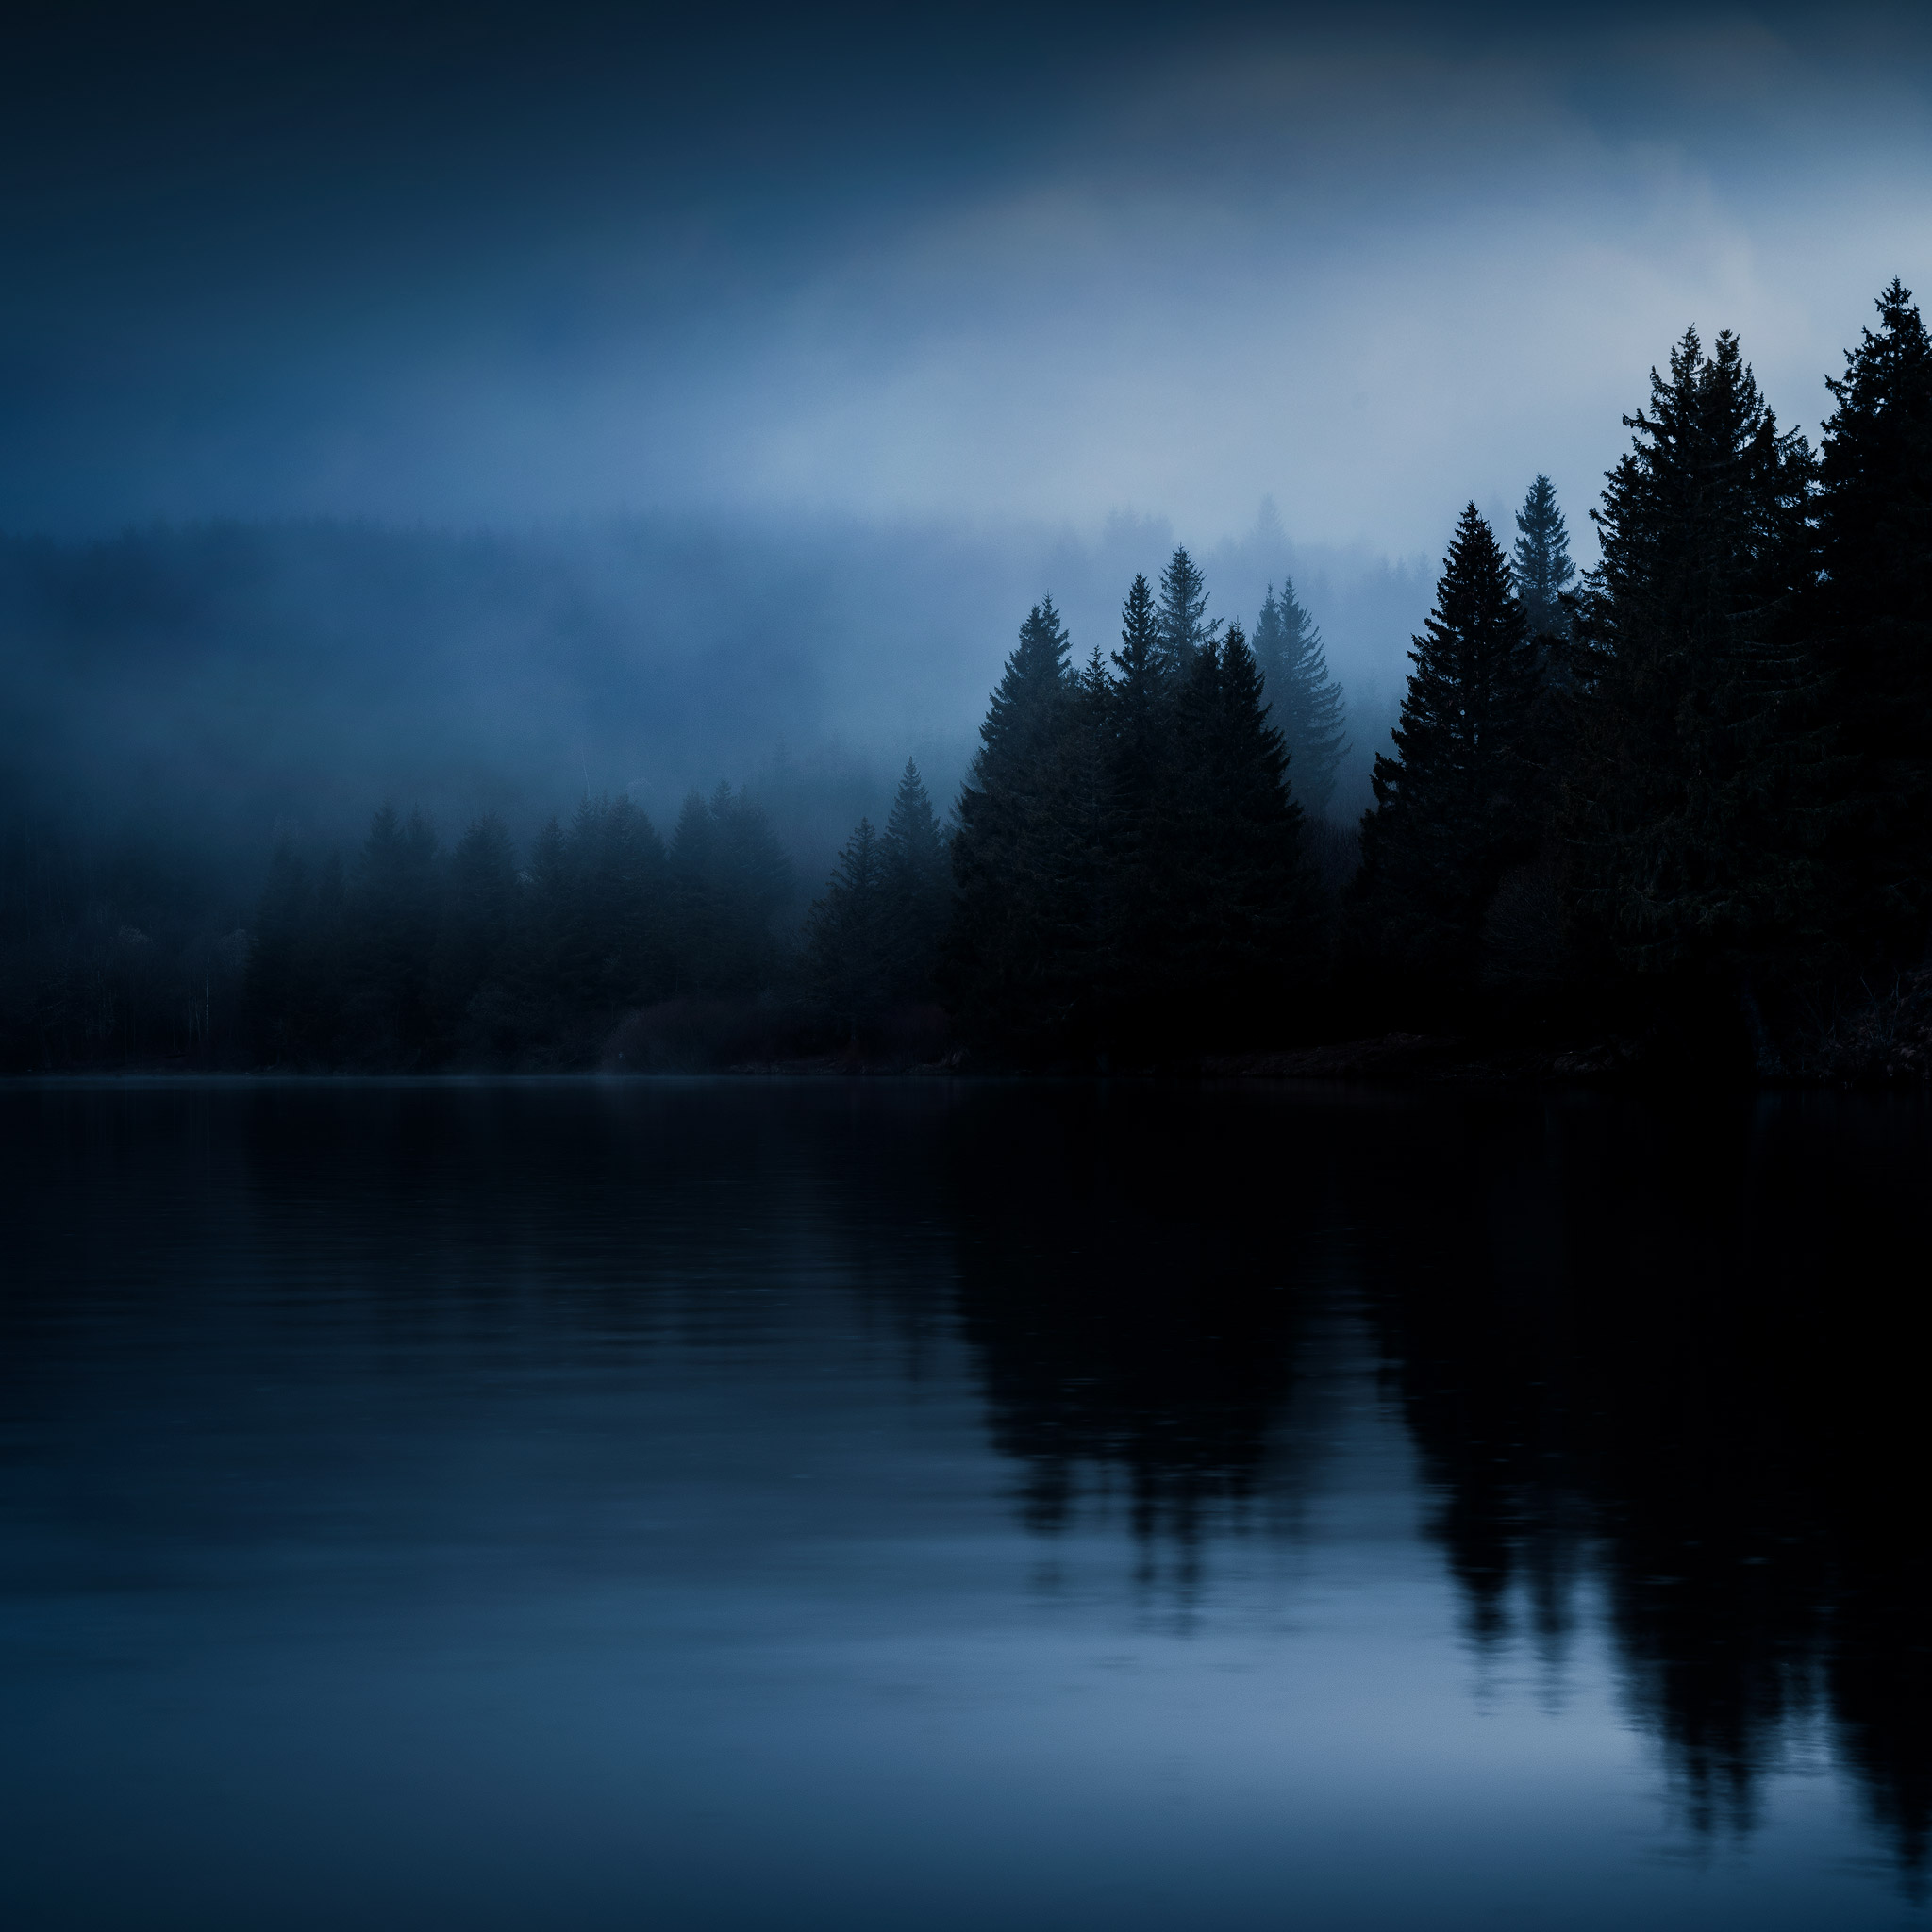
{"x": 737, "y": 1504}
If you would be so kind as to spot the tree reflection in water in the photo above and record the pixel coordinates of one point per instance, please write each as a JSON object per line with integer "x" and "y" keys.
{"x": 1676, "y": 1344}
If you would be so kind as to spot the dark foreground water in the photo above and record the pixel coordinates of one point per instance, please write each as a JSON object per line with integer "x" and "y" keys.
{"x": 731, "y": 1503}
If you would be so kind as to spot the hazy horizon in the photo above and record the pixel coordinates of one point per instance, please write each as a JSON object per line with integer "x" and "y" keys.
{"x": 783, "y": 361}
{"x": 495, "y": 269}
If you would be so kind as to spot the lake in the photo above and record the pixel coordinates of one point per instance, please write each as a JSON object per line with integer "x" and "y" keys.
{"x": 875, "y": 1503}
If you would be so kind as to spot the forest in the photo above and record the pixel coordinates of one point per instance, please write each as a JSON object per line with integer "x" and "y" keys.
{"x": 1672, "y": 813}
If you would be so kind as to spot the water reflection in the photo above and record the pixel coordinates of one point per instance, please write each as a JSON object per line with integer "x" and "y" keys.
{"x": 711, "y": 1372}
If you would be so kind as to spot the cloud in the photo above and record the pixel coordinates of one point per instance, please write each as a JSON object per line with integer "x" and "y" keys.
{"x": 1373, "y": 269}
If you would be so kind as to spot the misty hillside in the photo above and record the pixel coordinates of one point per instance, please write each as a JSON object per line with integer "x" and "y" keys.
{"x": 227, "y": 683}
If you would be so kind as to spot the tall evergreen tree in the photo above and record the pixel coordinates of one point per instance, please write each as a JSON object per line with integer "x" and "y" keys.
{"x": 918, "y": 887}
{"x": 1243, "y": 896}
{"x": 1025, "y": 702}
{"x": 1081, "y": 869}
{"x": 1451, "y": 809}
{"x": 849, "y": 934}
{"x": 1140, "y": 701}
{"x": 1005, "y": 867}
{"x": 1691, "y": 840}
{"x": 1874, "y": 627}
{"x": 1305, "y": 703}
{"x": 1185, "y": 627}
{"x": 1137, "y": 661}
{"x": 1542, "y": 565}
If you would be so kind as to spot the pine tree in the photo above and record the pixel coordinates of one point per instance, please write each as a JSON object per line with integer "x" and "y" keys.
{"x": 1690, "y": 839}
{"x": 1873, "y": 613}
{"x": 1138, "y": 660}
{"x": 918, "y": 887}
{"x": 849, "y": 934}
{"x": 1451, "y": 808}
{"x": 1305, "y": 703}
{"x": 1025, "y": 701}
{"x": 1142, "y": 704}
{"x": 1001, "y": 938}
{"x": 1079, "y": 868}
{"x": 1543, "y": 566}
{"x": 1185, "y": 628}
{"x": 1241, "y": 893}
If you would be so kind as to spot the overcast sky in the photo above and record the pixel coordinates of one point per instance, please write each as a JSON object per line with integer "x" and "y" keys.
{"x": 510, "y": 264}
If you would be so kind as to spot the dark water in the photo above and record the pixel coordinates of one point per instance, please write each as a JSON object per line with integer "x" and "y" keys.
{"x": 724, "y": 1505}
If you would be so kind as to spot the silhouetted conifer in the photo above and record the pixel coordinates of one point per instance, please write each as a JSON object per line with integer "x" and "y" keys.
{"x": 1543, "y": 567}
{"x": 849, "y": 934}
{"x": 1243, "y": 913}
{"x": 1138, "y": 661}
{"x": 919, "y": 886}
{"x": 1304, "y": 703}
{"x": 1452, "y": 802}
{"x": 1689, "y": 812}
{"x": 1024, "y": 705}
{"x": 1002, "y": 937}
{"x": 1874, "y": 628}
{"x": 1184, "y": 624}
{"x": 1079, "y": 868}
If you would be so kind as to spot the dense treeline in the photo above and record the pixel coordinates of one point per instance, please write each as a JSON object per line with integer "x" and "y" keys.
{"x": 114, "y": 955}
{"x": 1678, "y": 806}
{"x": 418, "y": 958}
{"x": 1683, "y": 803}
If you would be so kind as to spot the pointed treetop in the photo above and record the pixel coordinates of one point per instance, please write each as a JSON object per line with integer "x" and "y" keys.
{"x": 1304, "y": 703}
{"x": 1542, "y": 565}
{"x": 1033, "y": 682}
{"x": 1137, "y": 659}
{"x": 1184, "y": 624}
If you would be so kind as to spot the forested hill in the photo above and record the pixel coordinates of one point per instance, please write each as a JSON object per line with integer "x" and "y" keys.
{"x": 1674, "y": 812}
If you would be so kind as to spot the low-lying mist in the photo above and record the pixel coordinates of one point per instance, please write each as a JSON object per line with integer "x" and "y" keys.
{"x": 210, "y": 690}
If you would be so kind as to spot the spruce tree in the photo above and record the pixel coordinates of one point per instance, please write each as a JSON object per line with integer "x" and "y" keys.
{"x": 1304, "y": 703}
{"x": 1141, "y": 759}
{"x": 848, "y": 934}
{"x": 1873, "y": 612}
{"x": 1689, "y": 812}
{"x": 1079, "y": 859}
{"x": 1138, "y": 659}
{"x": 1002, "y": 936}
{"x": 1241, "y": 895}
{"x": 1451, "y": 809}
{"x": 918, "y": 887}
{"x": 1025, "y": 703}
{"x": 1141, "y": 701}
{"x": 1543, "y": 566}
{"x": 1184, "y": 626}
